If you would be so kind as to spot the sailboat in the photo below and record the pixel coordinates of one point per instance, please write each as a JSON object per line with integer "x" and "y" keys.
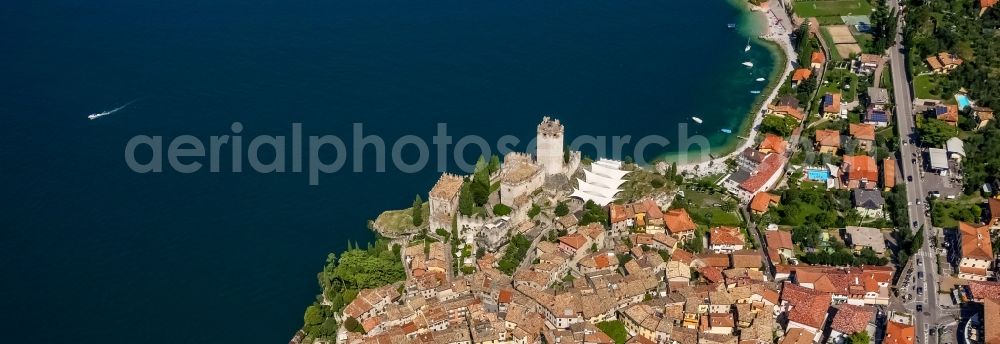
{"x": 748, "y": 46}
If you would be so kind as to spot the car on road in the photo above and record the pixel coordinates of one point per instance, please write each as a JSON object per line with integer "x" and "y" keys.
{"x": 920, "y": 291}
{"x": 920, "y": 308}
{"x": 915, "y": 224}
{"x": 920, "y": 274}
{"x": 920, "y": 262}
{"x": 909, "y": 178}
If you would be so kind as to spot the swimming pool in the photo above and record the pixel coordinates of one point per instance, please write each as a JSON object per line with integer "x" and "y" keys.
{"x": 963, "y": 101}
{"x": 818, "y": 175}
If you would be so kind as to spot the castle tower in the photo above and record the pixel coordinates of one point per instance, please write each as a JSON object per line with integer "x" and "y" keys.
{"x": 549, "y": 145}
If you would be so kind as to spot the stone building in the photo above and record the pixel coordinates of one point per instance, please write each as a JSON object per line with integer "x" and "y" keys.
{"x": 443, "y": 201}
{"x": 549, "y": 145}
{"x": 519, "y": 177}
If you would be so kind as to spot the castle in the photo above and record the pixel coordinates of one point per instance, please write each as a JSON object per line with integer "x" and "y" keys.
{"x": 520, "y": 176}
{"x": 549, "y": 145}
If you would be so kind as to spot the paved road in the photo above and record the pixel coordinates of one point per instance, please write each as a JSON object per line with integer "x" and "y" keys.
{"x": 915, "y": 192}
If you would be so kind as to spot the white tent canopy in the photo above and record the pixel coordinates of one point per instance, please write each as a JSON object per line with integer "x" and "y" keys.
{"x": 602, "y": 182}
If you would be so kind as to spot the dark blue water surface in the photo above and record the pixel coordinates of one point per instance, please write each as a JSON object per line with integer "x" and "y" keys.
{"x": 93, "y": 252}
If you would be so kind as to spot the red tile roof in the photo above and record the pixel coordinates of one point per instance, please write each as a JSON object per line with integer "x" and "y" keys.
{"x": 682, "y": 256}
{"x": 773, "y": 143}
{"x": 950, "y": 116}
{"x": 829, "y": 138}
{"x": 834, "y": 106}
{"x": 678, "y": 221}
{"x": 711, "y": 274}
{"x": 718, "y": 260}
{"x": 991, "y": 314}
{"x": 772, "y": 164}
{"x": 801, "y": 74}
{"x": 898, "y": 333}
{"x": 505, "y": 296}
{"x": 851, "y": 319}
{"x": 575, "y": 240}
{"x": 863, "y": 131}
{"x": 809, "y": 307}
{"x": 601, "y": 261}
{"x": 746, "y": 259}
{"x": 763, "y": 200}
{"x": 619, "y": 213}
{"x": 787, "y": 110}
{"x": 797, "y": 336}
{"x": 779, "y": 239}
{"x": 818, "y": 57}
{"x": 725, "y": 236}
{"x": 994, "y": 208}
{"x": 858, "y": 167}
{"x": 981, "y": 290}
{"x": 976, "y": 241}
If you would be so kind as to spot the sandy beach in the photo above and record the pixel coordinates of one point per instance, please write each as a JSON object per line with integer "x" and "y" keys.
{"x": 777, "y": 33}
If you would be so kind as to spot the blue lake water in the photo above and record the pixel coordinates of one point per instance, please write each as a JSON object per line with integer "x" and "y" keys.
{"x": 93, "y": 252}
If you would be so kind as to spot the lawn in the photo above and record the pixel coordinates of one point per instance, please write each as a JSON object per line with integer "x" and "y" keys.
{"x": 922, "y": 86}
{"x": 799, "y": 218}
{"x": 711, "y": 207}
{"x": 947, "y": 213}
{"x": 831, "y": 20}
{"x": 400, "y": 222}
{"x": 827, "y": 8}
{"x": 615, "y": 330}
{"x": 838, "y": 78}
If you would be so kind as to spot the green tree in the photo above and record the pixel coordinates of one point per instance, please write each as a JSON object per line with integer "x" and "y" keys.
{"x": 935, "y": 132}
{"x": 353, "y": 325}
{"x": 859, "y": 338}
{"x": 561, "y": 209}
{"x": 494, "y": 164}
{"x": 593, "y": 213}
{"x": 480, "y": 187}
{"x": 466, "y": 204}
{"x": 804, "y": 44}
{"x": 534, "y": 211}
{"x": 417, "y": 211}
{"x": 328, "y": 329}
{"x": 501, "y": 210}
{"x": 313, "y": 316}
{"x": 782, "y": 126}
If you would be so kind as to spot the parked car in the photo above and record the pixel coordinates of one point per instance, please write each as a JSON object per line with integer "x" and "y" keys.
{"x": 920, "y": 308}
{"x": 920, "y": 274}
{"x": 920, "y": 291}
{"x": 909, "y": 178}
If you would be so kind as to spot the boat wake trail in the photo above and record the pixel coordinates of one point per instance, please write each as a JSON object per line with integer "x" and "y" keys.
{"x": 105, "y": 113}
